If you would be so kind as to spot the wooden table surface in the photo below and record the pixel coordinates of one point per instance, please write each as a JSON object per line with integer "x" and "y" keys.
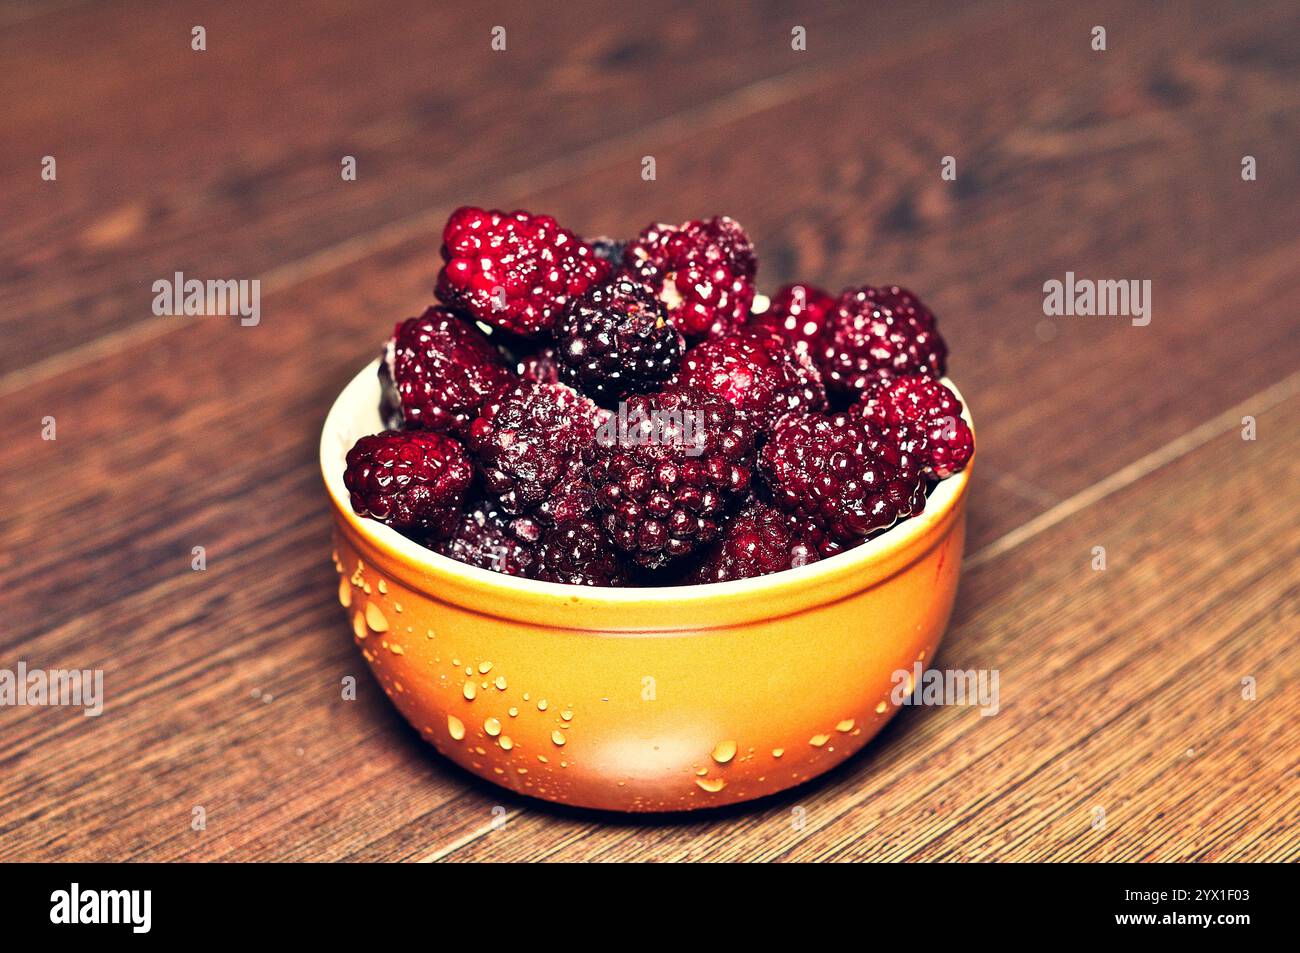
{"x": 1121, "y": 689}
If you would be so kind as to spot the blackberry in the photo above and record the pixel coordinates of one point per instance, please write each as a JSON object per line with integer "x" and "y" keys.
{"x": 759, "y": 372}
{"x": 800, "y": 313}
{"x": 437, "y": 372}
{"x": 878, "y": 334}
{"x": 759, "y": 540}
{"x": 840, "y": 473}
{"x": 514, "y": 270}
{"x": 610, "y": 250}
{"x": 542, "y": 365}
{"x": 579, "y": 554}
{"x": 616, "y": 340}
{"x": 412, "y": 481}
{"x": 923, "y": 418}
{"x": 531, "y": 440}
{"x": 485, "y": 538}
{"x": 702, "y": 270}
{"x": 667, "y": 471}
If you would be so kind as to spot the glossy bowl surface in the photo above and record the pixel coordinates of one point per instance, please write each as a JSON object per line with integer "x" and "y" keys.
{"x": 641, "y": 699}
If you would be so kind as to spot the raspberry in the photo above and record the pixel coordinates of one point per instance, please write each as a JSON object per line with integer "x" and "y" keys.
{"x": 759, "y": 541}
{"x": 411, "y": 481}
{"x": 484, "y": 538}
{"x": 514, "y": 270}
{"x": 800, "y": 313}
{"x": 703, "y": 271}
{"x": 668, "y": 470}
{"x": 579, "y": 553}
{"x": 616, "y": 340}
{"x": 438, "y": 371}
{"x": 531, "y": 440}
{"x": 879, "y": 334}
{"x": 923, "y": 418}
{"x": 759, "y": 372}
{"x": 840, "y": 473}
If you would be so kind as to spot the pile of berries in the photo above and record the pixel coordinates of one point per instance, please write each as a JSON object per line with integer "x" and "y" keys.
{"x": 631, "y": 413}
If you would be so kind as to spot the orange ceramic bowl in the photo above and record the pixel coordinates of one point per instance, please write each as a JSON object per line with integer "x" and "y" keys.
{"x": 660, "y": 699}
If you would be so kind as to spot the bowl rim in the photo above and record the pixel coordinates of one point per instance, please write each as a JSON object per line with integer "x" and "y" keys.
{"x": 364, "y": 387}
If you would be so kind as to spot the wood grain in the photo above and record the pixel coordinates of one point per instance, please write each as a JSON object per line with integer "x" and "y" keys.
{"x": 197, "y": 432}
{"x": 226, "y": 163}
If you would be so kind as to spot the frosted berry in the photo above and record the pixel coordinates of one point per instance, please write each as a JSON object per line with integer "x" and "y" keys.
{"x": 702, "y": 270}
{"x": 923, "y": 418}
{"x": 412, "y": 481}
{"x": 514, "y": 270}
{"x": 879, "y": 334}
{"x": 759, "y": 372}
{"x": 438, "y": 371}
{"x": 841, "y": 474}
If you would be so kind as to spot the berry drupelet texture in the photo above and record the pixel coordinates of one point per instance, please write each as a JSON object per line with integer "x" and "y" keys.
{"x": 485, "y": 538}
{"x": 702, "y": 270}
{"x": 667, "y": 474}
{"x": 438, "y": 371}
{"x": 923, "y": 419}
{"x": 580, "y": 554}
{"x": 616, "y": 340}
{"x": 514, "y": 270}
{"x": 412, "y": 481}
{"x": 800, "y": 313}
{"x": 758, "y": 541}
{"x": 532, "y": 441}
{"x": 841, "y": 474}
{"x": 878, "y": 334}
{"x": 759, "y": 372}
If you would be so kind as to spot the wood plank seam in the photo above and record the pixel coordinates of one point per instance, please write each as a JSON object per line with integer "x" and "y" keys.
{"x": 1144, "y": 466}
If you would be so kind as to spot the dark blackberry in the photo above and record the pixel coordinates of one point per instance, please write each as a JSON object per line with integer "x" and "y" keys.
{"x": 840, "y": 473}
{"x": 702, "y": 270}
{"x": 610, "y": 250}
{"x": 760, "y": 540}
{"x": 616, "y": 340}
{"x": 438, "y": 371}
{"x": 667, "y": 471}
{"x": 531, "y": 441}
{"x": 878, "y": 334}
{"x": 485, "y": 538}
{"x": 541, "y": 365}
{"x": 579, "y": 554}
{"x": 412, "y": 481}
{"x": 514, "y": 270}
{"x": 757, "y": 371}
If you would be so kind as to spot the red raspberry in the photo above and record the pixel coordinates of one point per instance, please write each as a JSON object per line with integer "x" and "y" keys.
{"x": 760, "y": 540}
{"x": 485, "y": 538}
{"x": 579, "y": 553}
{"x": 879, "y": 334}
{"x": 514, "y": 270}
{"x": 411, "y": 481}
{"x": 667, "y": 471}
{"x": 841, "y": 474}
{"x": 759, "y": 372}
{"x": 532, "y": 441}
{"x": 923, "y": 418}
{"x": 702, "y": 270}
{"x": 438, "y": 371}
{"x": 800, "y": 313}
{"x": 616, "y": 340}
